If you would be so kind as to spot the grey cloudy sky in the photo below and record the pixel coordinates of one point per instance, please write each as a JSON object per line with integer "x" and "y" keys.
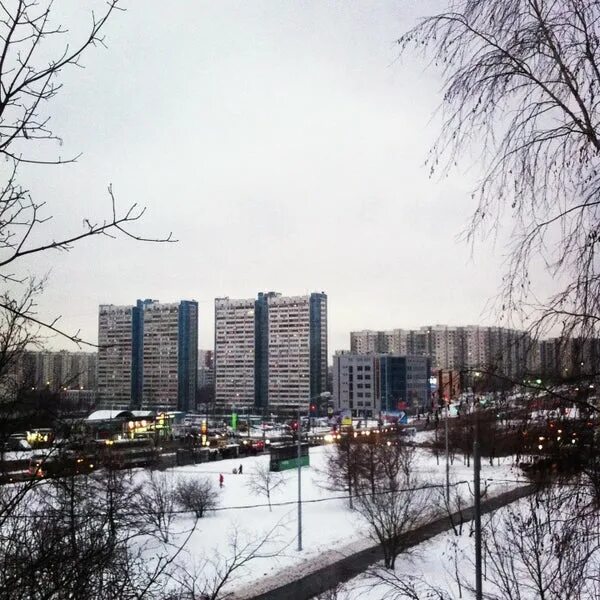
{"x": 283, "y": 144}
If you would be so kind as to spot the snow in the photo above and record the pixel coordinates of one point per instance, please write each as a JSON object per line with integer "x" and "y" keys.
{"x": 430, "y": 564}
{"x": 107, "y": 415}
{"x": 330, "y": 529}
{"x": 444, "y": 560}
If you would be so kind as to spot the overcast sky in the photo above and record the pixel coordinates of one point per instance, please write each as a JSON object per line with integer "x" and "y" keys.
{"x": 283, "y": 144}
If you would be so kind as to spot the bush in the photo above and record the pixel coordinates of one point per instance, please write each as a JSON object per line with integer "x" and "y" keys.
{"x": 197, "y": 495}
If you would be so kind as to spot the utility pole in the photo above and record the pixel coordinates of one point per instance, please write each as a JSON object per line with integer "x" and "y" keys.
{"x": 476, "y": 487}
{"x": 299, "y": 430}
{"x": 447, "y": 407}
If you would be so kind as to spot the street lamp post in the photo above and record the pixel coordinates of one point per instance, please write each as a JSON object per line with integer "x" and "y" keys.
{"x": 299, "y": 483}
{"x": 447, "y": 457}
{"x": 477, "y": 494}
{"x": 299, "y": 461}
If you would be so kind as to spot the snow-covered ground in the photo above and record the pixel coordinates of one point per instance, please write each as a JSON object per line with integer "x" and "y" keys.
{"x": 428, "y": 566}
{"x": 557, "y": 550}
{"x": 329, "y": 527}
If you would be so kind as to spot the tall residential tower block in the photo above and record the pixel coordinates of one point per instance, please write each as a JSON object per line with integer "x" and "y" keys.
{"x": 148, "y": 355}
{"x": 270, "y": 352}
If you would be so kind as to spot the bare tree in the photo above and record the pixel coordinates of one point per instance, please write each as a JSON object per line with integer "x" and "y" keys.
{"x": 398, "y": 504}
{"x": 29, "y": 80}
{"x": 155, "y": 503}
{"x": 197, "y": 495}
{"x": 75, "y": 533}
{"x": 210, "y": 578}
{"x": 537, "y": 548}
{"x": 392, "y": 585}
{"x": 263, "y": 482}
{"x": 521, "y": 82}
{"x": 341, "y": 466}
{"x": 79, "y": 536}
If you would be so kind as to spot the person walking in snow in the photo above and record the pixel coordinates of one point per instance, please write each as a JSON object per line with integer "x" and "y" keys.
{"x": 240, "y": 470}
{"x": 221, "y": 480}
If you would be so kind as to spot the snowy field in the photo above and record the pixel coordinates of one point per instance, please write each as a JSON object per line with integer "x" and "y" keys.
{"x": 330, "y": 529}
{"x": 428, "y": 566}
{"x": 554, "y": 554}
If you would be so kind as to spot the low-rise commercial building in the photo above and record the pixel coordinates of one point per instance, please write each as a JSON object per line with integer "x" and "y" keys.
{"x": 373, "y": 384}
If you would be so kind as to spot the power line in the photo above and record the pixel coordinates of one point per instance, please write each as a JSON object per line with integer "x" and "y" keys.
{"x": 253, "y": 506}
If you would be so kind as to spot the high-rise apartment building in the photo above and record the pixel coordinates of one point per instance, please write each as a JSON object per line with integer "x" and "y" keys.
{"x": 206, "y": 368}
{"x": 508, "y": 351}
{"x": 297, "y": 350}
{"x": 367, "y": 341}
{"x": 235, "y": 350}
{"x": 115, "y": 355}
{"x": 148, "y": 355}
{"x": 270, "y": 353}
{"x": 57, "y": 370}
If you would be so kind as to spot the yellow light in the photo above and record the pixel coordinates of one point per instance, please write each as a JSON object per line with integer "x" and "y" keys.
{"x": 540, "y": 447}
{"x": 389, "y": 443}
{"x": 328, "y": 438}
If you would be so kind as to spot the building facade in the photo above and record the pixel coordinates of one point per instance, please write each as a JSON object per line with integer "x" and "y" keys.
{"x": 235, "y": 349}
{"x": 507, "y": 351}
{"x": 372, "y": 384}
{"x": 270, "y": 353}
{"x": 148, "y": 355}
{"x": 57, "y": 370}
{"x": 206, "y": 368}
{"x": 115, "y": 356}
{"x": 354, "y": 383}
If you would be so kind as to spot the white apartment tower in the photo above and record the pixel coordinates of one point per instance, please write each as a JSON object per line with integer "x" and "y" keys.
{"x": 270, "y": 353}
{"x": 454, "y": 347}
{"x": 367, "y": 341}
{"x": 234, "y": 353}
{"x": 148, "y": 355}
{"x": 160, "y": 354}
{"x": 297, "y": 350}
{"x": 115, "y": 355}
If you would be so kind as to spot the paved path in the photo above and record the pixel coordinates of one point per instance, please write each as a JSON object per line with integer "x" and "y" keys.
{"x": 315, "y": 576}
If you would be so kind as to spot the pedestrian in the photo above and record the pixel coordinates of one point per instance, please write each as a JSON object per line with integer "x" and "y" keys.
{"x": 240, "y": 470}
{"x": 221, "y": 479}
